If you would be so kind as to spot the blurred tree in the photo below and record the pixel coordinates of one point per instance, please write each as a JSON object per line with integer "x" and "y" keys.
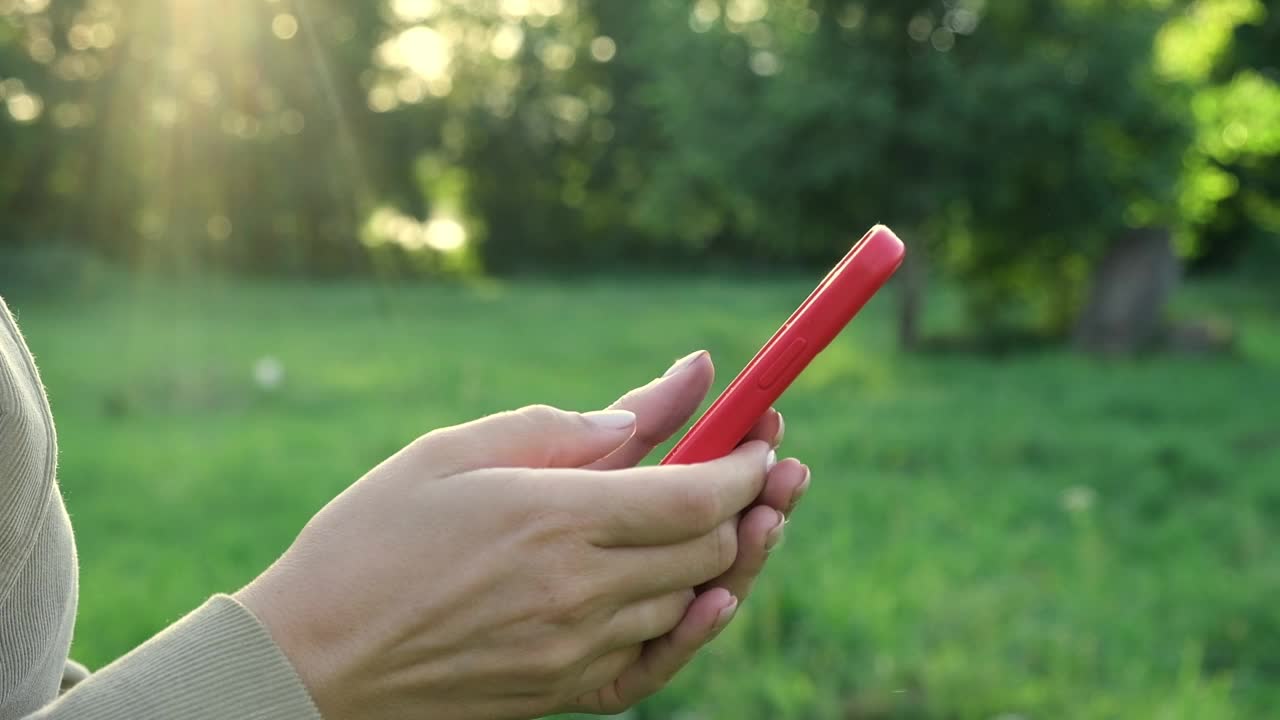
{"x": 26, "y": 32}
{"x": 540, "y": 140}
{"x": 1227, "y": 48}
{"x": 1010, "y": 140}
{"x": 176, "y": 134}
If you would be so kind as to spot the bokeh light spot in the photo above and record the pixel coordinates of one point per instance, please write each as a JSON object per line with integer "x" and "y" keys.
{"x": 548, "y": 8}
{"x": 942, "y": 39}
{"x": 284, "y": 26}
{"x": 445, "y": 235}
{"x": 1235, "y": 135}
{"x": 383, "y": 99}
{"x": 703, "y": 15}
{"x": 25, "y": 107}
{"x": 41, "y": 50}
{"x": 557, "y": 56}
{"x": 765, "y": 63}
{"x": 746, "y": 11}
{"x": 920, "y": 27}
{"x": 507, "y": 41}
{"x": 515, "y": 8}
{"x": 415, "y": 10}
{"x": 219, "y": 227}
{"x": 420, "y": 50}
{"x": 603, "y": 48}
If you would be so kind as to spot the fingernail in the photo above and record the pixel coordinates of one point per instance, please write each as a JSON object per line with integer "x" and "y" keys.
{"x": 801, "y": 489}
{"x": 684, "y": 363}
{"x": 611, "y": 419}
{"x": 774, "y": 537}
{"x": 782, "y": 430}
{"x": 726, "y": 614}
{"x": 770, "y": 460}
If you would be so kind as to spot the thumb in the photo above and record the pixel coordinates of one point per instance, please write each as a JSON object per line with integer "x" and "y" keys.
{"x": 538, "y": 436}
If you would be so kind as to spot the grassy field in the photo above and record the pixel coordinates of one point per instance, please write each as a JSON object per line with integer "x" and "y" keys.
{"x": 1036, "y": 536}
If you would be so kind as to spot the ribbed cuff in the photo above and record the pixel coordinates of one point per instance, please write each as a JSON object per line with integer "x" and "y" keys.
{"x": 218, "y": 662}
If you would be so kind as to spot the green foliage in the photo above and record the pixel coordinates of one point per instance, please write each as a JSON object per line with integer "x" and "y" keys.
{"x": 1046, "y": 537}
{"x": 1226, "y": 50}
{"x": 184, "y": 137}
{"x": 1017, "y": 138}
{"x": 1012, "y": 140}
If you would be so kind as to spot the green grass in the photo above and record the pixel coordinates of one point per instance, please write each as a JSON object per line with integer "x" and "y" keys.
{"x": 1038, "y": 536}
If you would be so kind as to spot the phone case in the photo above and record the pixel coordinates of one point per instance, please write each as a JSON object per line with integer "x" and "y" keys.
{"x": 831, "y": 306}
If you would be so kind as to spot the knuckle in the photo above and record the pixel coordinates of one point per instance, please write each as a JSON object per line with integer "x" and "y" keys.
{"x": 540, "y": 415}
{"x": 571, "y": 603}
{"x": 553, "y": 662}
{"x": 424, "y": 443}
{"x": 547, "y": 521}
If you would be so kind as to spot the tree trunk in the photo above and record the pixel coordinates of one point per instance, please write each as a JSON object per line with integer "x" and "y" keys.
{"x": 1130, "y": 288}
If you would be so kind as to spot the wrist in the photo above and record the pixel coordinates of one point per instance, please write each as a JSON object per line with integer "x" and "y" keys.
{"x": 288, "y": 628}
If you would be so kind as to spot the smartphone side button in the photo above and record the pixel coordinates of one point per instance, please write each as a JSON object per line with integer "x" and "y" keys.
{"x": 781, "y": 361}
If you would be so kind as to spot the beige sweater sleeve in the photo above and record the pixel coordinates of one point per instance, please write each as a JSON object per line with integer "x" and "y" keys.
{"x": 218, "y": 662}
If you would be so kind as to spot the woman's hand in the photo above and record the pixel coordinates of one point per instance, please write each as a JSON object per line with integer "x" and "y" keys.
{"x": 662, "y": 407}
{"x": 481, "y": 573}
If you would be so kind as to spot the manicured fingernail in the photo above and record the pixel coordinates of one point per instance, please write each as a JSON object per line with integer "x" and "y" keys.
{"x": 612, "y": 419}
{"x": 684, "y": 363}
{"x": 770, "y": 460}
{"x": 775, "y": 535}
{"x": 782, "y": 430}
{"x": 726, "y": 614}
{"x": 801, "y": 489}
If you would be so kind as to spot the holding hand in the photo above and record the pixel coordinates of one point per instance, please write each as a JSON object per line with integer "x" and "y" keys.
{"x": 518, "y": 565}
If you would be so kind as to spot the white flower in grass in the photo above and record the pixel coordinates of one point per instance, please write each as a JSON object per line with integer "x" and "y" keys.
{"x": 268, "y": 372}
{"x": 1078, "y": 498}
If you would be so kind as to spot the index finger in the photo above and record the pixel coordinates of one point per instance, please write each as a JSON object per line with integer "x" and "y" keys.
{"x": 661, "y": 407}
{"x": 667, "y": 504}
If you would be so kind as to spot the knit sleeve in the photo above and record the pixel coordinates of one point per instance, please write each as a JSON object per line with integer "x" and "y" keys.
{"x": 218, "y": 662}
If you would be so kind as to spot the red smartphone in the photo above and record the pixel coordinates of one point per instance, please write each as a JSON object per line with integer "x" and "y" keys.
{"x": 831, "y": 306}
